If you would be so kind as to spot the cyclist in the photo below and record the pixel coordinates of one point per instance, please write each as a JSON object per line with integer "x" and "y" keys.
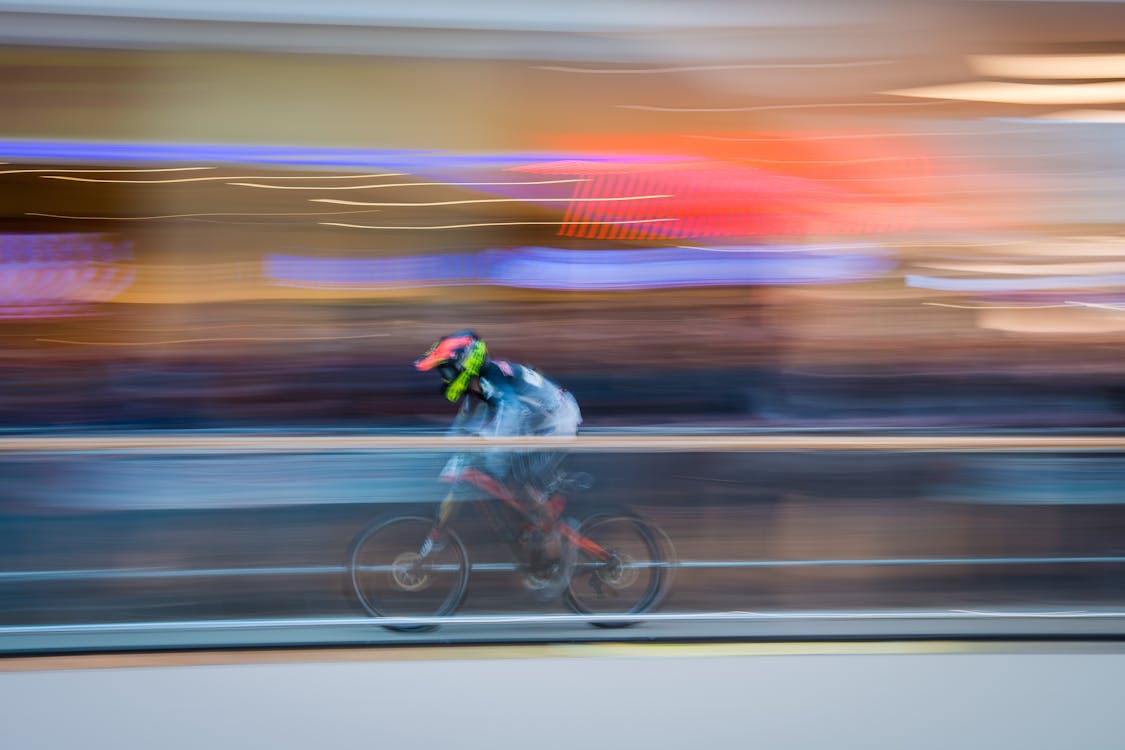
{"x": 504, "y": 399}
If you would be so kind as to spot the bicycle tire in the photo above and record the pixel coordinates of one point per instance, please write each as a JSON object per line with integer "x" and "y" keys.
{"x": 384, "y": 554}
{"x": 598, "y": 587}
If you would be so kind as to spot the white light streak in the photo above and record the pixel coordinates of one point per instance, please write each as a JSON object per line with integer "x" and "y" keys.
{"x": 992, "y": 307}
{"x": 192, "y": 216}
{"x": 226, "y": 177}
{"x": 493, "y": 200}
{"x": 408, "y": 184}
{"x": 505, "y": 224}
{"x": 88, "y": 171}
{"x": 1098, "y": 306}
{"x": 706, "y": 68}
{"x": 762, "y": 108}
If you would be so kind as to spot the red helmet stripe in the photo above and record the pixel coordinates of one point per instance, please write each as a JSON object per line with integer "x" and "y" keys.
{"x": 441, "y": 352}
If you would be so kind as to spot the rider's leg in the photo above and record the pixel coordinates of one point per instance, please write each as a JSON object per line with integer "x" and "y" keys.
{"x": 544, "y": 468}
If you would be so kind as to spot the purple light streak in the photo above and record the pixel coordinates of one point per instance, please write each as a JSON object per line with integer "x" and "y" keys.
{"x": 581, "y": 270}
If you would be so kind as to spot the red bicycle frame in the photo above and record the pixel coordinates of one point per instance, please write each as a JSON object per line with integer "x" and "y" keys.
{"x": 498, "y": 490}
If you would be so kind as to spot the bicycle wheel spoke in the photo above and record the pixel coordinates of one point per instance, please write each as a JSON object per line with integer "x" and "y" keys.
{"x": 391, "y": 578}
{"x": 631, "y": 580}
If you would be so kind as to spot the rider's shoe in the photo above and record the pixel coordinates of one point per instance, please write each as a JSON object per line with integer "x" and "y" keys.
{"x": 577, "y": 481}
{"x": 570, "y": 481}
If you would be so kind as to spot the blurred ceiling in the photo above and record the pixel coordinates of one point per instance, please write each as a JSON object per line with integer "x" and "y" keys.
{"x": 601, "y": 30}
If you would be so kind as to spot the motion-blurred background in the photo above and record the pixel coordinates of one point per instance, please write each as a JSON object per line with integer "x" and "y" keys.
{"x": 736, "y": 213}
{"x": 731, "y": 215}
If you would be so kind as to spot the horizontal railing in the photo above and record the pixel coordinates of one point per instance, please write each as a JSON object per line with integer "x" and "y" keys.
{"x": 585, "y": 443}
{"x": 1115, "y": 615}
{"x": 78, "y": 574}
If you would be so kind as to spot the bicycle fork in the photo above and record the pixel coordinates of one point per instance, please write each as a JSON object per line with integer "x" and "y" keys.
{"x": 432, "y": 542}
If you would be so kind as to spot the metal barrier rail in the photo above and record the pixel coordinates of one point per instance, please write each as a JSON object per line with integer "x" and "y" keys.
{"x": 314, "y": 570}
{"x": 555, "y": 619}
{"x": 180, "y": 444}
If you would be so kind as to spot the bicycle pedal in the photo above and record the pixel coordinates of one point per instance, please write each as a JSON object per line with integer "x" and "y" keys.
{"x": 549, "y": 582}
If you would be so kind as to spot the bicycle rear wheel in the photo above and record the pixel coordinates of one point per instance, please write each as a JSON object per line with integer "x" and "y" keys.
{"x": 392, "y": 579}
{"x": 634, "y": 577}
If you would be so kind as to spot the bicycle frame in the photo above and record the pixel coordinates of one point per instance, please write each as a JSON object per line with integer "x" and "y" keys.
{"x": 499, "y": 491}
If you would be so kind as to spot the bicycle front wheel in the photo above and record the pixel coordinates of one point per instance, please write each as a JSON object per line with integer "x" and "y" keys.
{"x": 391, "y": 578}
{"x": 627, "y": 575}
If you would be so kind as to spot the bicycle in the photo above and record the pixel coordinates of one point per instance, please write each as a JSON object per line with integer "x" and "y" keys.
{"x": 612, "y": 562}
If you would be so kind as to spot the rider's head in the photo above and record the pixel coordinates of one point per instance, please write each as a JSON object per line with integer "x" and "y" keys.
{"x": 458, "y": 358}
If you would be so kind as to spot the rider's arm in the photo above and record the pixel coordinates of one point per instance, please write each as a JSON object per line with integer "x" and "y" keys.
{"x": 467, "y": 422}
{"x": 468, "y": 418}
{"x": 509, "y": 418}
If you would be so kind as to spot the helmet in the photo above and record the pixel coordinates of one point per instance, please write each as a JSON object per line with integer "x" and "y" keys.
{"x": 458, "y": 358}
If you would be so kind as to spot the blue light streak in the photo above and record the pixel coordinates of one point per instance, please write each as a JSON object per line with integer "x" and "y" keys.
{"x": 49, "y": 151}
{"x": 580, "y": 270}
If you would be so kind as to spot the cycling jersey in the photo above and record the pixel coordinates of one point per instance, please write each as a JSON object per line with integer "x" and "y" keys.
{"x": 515, "y": 400}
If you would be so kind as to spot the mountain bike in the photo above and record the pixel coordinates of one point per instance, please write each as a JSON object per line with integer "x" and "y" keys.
{"x": 611, "y": 562}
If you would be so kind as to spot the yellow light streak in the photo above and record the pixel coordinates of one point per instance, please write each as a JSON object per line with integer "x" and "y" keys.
{"x": 1003, "y": 92}
{"x": 1049, "y": 66}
